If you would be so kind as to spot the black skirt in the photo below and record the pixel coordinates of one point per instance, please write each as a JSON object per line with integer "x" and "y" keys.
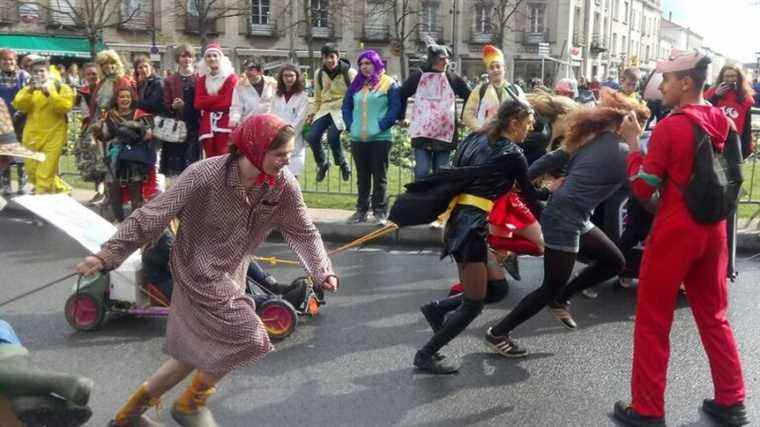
{"x": 176, "y": 157}
{"x": 465, "y": 235}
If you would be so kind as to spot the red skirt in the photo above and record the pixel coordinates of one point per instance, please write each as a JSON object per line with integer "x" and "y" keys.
{"x": 510, "y": 213}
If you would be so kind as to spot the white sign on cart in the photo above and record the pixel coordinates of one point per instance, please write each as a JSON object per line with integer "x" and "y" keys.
{"x": 90, "y": 230}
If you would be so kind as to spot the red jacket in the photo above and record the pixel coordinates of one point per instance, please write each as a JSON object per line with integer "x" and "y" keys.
{"x": 670, "y": 161}
{"x": 739, "y": 112}
{"x": 214, "y": 109}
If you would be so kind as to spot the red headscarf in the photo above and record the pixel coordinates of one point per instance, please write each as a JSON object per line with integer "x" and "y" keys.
{"x": 254, "y": 137}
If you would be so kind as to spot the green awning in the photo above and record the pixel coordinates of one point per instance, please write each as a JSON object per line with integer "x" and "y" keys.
{"x": 77, "y": 47}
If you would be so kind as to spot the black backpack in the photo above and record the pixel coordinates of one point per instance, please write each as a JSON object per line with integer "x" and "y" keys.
{"x": 716, "y": 179}
{"x": 344, "y": 72}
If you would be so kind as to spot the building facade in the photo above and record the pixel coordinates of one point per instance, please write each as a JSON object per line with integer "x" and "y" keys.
{"x": 580, "y": 38}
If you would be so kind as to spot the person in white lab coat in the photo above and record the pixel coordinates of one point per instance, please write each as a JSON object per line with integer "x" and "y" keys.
{"x": 291, "y": 104}
{"x": 253, "y": 94}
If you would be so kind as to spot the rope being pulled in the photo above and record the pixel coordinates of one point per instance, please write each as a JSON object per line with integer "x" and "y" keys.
{"x": 376, "y": 234}
{"x": 270, "y": 260}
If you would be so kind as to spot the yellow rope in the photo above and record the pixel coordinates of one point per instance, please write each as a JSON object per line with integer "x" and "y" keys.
{"x": 363, "y": 239}
{"x": 274, "y": 260}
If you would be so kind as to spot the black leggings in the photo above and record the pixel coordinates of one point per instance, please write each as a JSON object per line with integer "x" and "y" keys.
{"x": 607, "y": 261}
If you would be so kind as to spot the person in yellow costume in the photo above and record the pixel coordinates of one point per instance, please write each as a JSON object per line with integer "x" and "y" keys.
{"x": 484, "y": 101}
{"x": 46, "y": 103}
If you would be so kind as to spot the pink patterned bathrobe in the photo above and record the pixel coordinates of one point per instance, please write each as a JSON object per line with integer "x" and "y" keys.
{"x": 212, "y": 323}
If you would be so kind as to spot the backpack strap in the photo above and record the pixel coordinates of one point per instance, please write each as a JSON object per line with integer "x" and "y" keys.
{"x": 700, "y": 137}
{"x": 482, "y": 90}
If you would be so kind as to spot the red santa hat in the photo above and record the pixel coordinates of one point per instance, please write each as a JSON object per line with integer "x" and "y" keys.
{"x": 213, "y": 47}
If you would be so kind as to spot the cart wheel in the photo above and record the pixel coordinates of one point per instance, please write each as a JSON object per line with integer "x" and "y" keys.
{"x": 279, "y": 317}
{"x": 84, "y": 312}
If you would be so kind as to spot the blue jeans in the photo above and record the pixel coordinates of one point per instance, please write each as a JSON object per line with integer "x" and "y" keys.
{"x": 318, "y": 128}
{"x": 427, "y": 161}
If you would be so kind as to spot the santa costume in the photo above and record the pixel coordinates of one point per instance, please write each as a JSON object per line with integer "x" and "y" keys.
{"x": 213, "y": 97}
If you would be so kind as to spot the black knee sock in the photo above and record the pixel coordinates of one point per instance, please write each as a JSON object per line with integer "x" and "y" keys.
{"x": 455, "y": 323}
{"x": 448, "y": 304}
{"x": 496, "y": 291}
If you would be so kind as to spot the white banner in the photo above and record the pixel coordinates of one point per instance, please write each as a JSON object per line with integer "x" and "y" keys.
{"x": 87, "y": 228}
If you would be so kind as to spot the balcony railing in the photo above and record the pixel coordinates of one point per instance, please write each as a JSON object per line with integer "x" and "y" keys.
{"x": 579, "y": 39}
{"x": 426, "y": 32}
{"x": 262, "y": 30}
{"x": 481, "y": 37}
{"x": 322, "y": 32}
{"x": 193, "y": 25}
{"x": 376, "y": 32}
{"x": 598, "y": 43}
{"x": 535, "y": 38}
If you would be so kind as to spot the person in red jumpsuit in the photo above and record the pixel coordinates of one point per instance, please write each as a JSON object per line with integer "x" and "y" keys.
{"x": 699, "y": 263}
{"x": 213, "y": 97}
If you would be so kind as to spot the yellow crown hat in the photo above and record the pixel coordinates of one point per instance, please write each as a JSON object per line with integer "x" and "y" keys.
{"x": 492, "y": 53}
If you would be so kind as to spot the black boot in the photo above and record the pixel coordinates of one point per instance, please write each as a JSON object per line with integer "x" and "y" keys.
{"x": 5, "y": 182}
{"x": 322, "y": 171}
{"x": 21, "y": 180}
{"x": 434, "y": 364}
{"x": 626, "y": 415}
{"x": 735, "y": 415}
{"x": 436, "y": 311}
{"x": 345, "y": 171}
{"x": 454, "y": 324}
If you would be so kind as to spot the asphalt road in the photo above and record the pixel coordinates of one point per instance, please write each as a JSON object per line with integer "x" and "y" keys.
{"x": 351, "y": 366}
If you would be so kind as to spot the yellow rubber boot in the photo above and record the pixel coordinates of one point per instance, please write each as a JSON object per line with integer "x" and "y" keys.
{"x": 132, "y": 413}
{"x": 190, "y": 409}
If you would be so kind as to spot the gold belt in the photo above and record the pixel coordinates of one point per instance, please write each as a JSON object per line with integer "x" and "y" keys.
{"x": 466, "y": 199}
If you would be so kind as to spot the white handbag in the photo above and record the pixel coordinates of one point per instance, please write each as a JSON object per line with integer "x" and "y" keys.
{"x": 169, "y": 130}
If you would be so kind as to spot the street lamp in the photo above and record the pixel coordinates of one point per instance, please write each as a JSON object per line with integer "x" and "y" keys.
{"x": 454, "y": 11}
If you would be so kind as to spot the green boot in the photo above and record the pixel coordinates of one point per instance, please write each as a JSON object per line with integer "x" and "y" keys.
{"x": 16, "y": 380}
{"x": 49, "y": 411}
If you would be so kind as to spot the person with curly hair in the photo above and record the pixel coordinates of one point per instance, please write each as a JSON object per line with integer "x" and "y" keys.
{"x": 596, "y": 169}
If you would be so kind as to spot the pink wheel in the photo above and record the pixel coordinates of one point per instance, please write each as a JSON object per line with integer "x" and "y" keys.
{"x": 84, "y": 312}
{"x": 279, "y": 318}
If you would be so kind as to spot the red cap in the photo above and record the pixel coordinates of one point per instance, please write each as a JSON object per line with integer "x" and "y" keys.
{"x": 679, "y": 60}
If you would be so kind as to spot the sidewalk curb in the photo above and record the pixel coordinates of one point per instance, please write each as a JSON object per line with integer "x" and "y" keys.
{"x": 331, "y": 224}
{"x": 748, "y": 240}
{"x": 337, "y": 231}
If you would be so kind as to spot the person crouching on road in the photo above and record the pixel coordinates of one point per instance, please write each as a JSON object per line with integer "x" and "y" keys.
{"x": 226, "y": 206}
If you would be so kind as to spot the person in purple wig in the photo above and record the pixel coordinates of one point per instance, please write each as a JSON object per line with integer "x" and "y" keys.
{"x": 378, "y": 69}
{"x": 371, "y": 106}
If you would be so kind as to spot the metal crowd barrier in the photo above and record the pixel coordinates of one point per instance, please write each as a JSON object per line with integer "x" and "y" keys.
{"x": 398, "y": 176}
